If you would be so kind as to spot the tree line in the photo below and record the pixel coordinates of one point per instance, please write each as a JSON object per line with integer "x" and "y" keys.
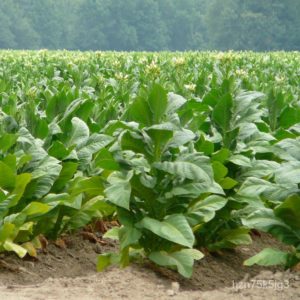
{"x": 150, "y": 25}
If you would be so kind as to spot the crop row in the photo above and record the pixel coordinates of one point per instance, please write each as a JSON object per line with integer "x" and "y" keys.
{"x": 186, "y": 150}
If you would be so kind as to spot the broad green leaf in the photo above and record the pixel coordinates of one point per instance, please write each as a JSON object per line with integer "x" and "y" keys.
{"x": 160, "y": 138}
{"x": 95, "y": 143}
{"x": 119, "y": 191}
{"x": 66, "y": 174}
{"x": 93, "y": 186}
{"x": 10, "y": 246}
{"x": 94, "y": 208}
{"x": 175, "y": 102}
{"x": 35, "y": 208}
{"x": 133, "y": 142}
{"x": 112, "y": 234}
{"x": 158, "y": 103}
{"x": 58, "y": 150}
{"x": 139, "y": 111}
{"x": 205, "y": 210}
{"x": 268, "y": 257}
{"x": 174, "y": 228}
{"x": 7, "y": 177}
{"x": 22, "y": 181}
{"x": 6, "y": 231}
{"x": 289, "y": 117}
{"x": 289, "y": 211}
{"x": 231, "y": 238}
{"x": 288, "y": 149}
{"x": 184, "y": 169}
{"x": 228, "y": 183}
{"x": 182, "y": 260}
{"x": 288, "y": 173}
{"x": 264, "y": 219}
{"x": 220, "y": 171}
{"x": 261, "y": 169}
{"x": 221, "y": 155}
{"x": 45, "y": 174}
{"x": 240, "y": 160}
{"x": 107, "y": 259}
{"x": 222, "y": 113}
{"x": 194, "y": 190}
{"x": 79, "y": 134}
{"x": 105, "y": 160}
{"x": 7, "y": 141}
{"x": 129, "y": 236}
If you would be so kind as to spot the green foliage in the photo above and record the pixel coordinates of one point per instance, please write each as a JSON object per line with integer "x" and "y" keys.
{"x": 178, "y": 147}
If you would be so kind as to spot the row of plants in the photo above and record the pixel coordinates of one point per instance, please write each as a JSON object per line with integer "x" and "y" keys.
{"x": 187, "y": 151}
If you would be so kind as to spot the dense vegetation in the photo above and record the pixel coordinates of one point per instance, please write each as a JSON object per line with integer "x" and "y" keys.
{"x": 150, "y": 24}
{"x": 187, "y": 151}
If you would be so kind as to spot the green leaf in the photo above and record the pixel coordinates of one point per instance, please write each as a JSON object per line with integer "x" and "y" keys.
{"x": 240, "y": 160}
{"x": 112, "y": 234}
{"x": 133, "y": 142}
{"x": 79, "y": 134}
{"x": 288, "y": 173}
{"x": 175, "y": 102}
{"x": 95, "y": 143}
{"x": 10, "y": 246}
{"x": 264, "y": 219}
{"x": 7, "y": 141}
{"x": 105, "y": 160}
{"x": 140, "y": 112}
{"x": 205, "y": 210}
{"x": 289, "y": 211}
{"x": 194, "y": 190}
{"x": 45, "y": 174}
{"x": 35, "y": 208}
{"x": 205, "y": 146}
{"x": 93, "y": 186}
{"x": 183, "y": 260}
{"x": 220, "y": 171}
{"x": 119, "y": 191}
{"x": 129, "y": 236}
{"x": 7, "y": 177}
{"x": 228, "y": 183}
{"x": 288, "y": 149}
{"x": 96, "y": 207}
{"x": 222, "y": 113}
{"x": 58, "y": 150}
{"x": 289, "y": 117}
{"x": 268, "y": 257}
{"x": 231, "y": 238}
{"x": 174, "y": 228}
{"x": 6, "y": 231}
{"x": 66, "y": 174}
{"x": 160, "y": 137}
{"x": 107, "y": 259}
{"x": 184, "y": 169}
{"x": 221, "y": 155}
{"x": 22, "y": 181}
{"x": 158, "y": 103}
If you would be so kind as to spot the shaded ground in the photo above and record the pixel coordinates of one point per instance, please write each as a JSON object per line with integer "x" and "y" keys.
{"x": 70, "y": 273}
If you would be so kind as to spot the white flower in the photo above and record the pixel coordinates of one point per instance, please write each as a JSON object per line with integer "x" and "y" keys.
{"x": 191, "y": 87}
{"x": 121, "y": 76}
{"x": 279, "y": 79}
{"x": 240, "y": 72}
{"x": 178, "y": 61}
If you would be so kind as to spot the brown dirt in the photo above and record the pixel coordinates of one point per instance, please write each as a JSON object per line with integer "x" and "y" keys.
{"x": 70, "y": 273}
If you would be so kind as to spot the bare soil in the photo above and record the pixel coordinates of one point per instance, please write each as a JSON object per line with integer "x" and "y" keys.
{"x": 67, "y": 270}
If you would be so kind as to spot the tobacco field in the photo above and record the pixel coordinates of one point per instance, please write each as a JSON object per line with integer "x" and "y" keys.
{"x": 189, "y": 153}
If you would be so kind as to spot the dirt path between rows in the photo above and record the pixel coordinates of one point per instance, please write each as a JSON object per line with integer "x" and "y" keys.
{"x": 69, "y": 273}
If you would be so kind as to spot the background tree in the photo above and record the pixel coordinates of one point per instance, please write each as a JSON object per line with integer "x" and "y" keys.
{"x": 150, "y": 24}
